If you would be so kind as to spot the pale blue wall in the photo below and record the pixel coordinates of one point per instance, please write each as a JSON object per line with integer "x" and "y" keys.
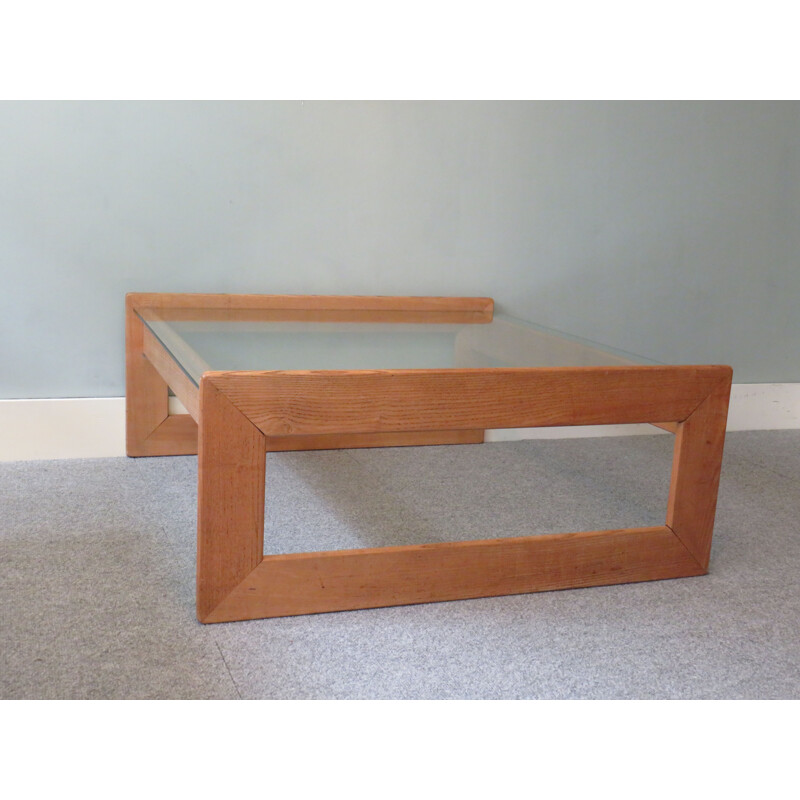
{"x": 669, "y": 229}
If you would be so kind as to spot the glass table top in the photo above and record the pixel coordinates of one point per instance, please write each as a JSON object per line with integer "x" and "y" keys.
{"x": 203, "y": 345}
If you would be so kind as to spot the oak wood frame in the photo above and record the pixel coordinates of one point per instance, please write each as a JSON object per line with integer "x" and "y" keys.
{"x": 243, "y": 415}
{"x": 150, "y": 371}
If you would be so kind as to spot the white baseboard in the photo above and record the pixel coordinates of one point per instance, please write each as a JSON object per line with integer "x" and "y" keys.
{"x": 753, "y": 407}
{"x": 94, "y": 427}
{"x": 62, "y": 428}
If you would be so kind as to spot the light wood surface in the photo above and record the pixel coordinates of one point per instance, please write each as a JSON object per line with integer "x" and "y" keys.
{"x": 340, "y": 580}
{"x": 317, "y": 582}
{"x": 318, "y": 308}
{"x": 671, "y": 427}
{"x": 145, "y": 390}
{"x": 291, "y": 403}
{"x": 230, "y": 519}
{"x": 336, "y": 441}
{"x": 696, "y": 470}
{"x": 175, "y": 436}
{"x": 150, "y": 430}
{"x": 171, "y": 373}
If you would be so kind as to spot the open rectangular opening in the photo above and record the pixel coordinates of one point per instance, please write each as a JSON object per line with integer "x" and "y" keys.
{"x": 384, "y": 497}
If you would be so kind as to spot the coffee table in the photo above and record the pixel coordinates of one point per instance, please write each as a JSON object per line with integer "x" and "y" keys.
{"x": 261, "y": 373}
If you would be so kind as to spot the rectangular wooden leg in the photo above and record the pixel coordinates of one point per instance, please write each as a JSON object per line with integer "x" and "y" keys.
{"x": 150, "y": 429}
{"x": 696, "y": 471}
{"x": 146, "y": 394}
{"x": 230, "y": 517}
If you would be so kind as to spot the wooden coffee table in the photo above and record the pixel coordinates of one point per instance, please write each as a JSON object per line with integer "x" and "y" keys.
{"x": 313, "y": 372}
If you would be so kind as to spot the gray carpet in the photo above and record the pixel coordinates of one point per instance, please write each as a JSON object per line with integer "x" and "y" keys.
{"x": 97, "y": 579}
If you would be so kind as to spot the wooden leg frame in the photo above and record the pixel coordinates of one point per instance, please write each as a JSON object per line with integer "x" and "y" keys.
{"x": 151, "y": 430}
{"x": 240, "y": 413}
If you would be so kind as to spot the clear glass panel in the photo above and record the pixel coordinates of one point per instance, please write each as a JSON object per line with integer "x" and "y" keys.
{"x": 201, "y": 345}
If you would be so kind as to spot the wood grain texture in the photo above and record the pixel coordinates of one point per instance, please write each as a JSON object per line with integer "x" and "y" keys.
{"x": 696, "y": 469}
{"x": 172, "y": 374}
{"x": 336, "y": 581}
{"x": 289, "y": 403}
{"x": 175, "y": 436}
{"x": 230, "y": 504}
{"x": 317, "y": 308}
{"x": 334, "y": 441}
{"x": 671, "y": 427}
{"x": 146, "y": 403}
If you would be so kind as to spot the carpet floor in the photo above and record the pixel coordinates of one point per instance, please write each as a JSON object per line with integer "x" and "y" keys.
{"x": 97, "y": 578}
